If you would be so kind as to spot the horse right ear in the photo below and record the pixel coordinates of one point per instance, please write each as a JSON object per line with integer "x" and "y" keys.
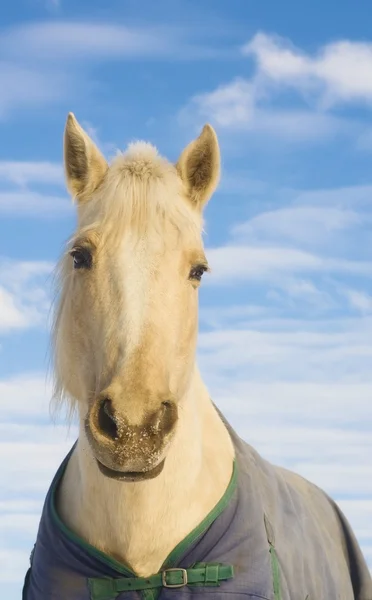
{"x": 199, "y": 167}
{"x": 85, "y": 166}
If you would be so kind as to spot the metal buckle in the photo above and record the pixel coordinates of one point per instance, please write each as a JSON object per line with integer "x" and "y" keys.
{"x": 175, "y": 585}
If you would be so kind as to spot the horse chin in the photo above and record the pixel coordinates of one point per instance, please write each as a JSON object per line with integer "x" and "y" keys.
{"x": 131, "y": 476}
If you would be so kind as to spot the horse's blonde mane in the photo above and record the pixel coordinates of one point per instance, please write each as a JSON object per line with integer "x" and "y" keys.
{"x": 141, "y": 191}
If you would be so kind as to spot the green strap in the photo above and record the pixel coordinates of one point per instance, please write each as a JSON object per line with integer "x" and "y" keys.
{"x": 275, "y": 572}
{"x": 200, "y": 574}
{"x": 274, "y": 558}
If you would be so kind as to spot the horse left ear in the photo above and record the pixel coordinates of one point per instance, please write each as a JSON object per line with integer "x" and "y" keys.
{"x": 85, "y": 167}
{"x": 199, "y": 167}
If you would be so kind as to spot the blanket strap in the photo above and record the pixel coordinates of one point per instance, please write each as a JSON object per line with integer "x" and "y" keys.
{"x": 274, "y": 559}
{"x": 201, "y": 574}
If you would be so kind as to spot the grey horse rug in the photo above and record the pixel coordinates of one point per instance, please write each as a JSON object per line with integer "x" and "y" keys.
{"x": 273, "y": 536}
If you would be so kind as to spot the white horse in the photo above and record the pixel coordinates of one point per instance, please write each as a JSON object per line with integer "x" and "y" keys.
{"x": 154, "y": 458}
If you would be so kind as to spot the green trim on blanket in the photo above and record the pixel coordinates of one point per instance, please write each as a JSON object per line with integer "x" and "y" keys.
{"x": 276, "y": 573}
{"x": 274, "y": 558}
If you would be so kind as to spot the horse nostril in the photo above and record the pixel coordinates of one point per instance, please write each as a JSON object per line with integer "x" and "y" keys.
{"x": 169, "y": 417}
{"x": 106, "y": 419}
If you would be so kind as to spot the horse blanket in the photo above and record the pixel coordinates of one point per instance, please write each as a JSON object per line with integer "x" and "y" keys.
{"x": 273, "y": 536}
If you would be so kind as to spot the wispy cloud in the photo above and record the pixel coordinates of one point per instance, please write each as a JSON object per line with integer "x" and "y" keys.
{"x": 339, "y": 73}
{"x": 69, "y": 40}
{"x": 12, "y": 563}
{"x": 298, "y": 255}
{"x": 301, "y": 224}
{"x": 53, "y": 5}
{"x": 291, "y": 349}
{"x": 248, "y": 262}
{"x": 33, "y": 204}
{"x": 26, "y": 86}
{"x": 18, "y": 407}
{"x": 353, "y": 197}
{"x": 92, "y": 40}
{"x": 11, "y": 316}
{"x": 42, "y": 61}
{"x": 24, "y": 172}
{"x": 17, "y": 198}
{"x": 24, "y": 301}
{"x": 237, "y": 108}
{"x": 360, "y": 300}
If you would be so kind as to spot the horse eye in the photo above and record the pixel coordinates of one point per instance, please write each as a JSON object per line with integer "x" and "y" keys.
{"x": 82, "y": 258}
{"x": 197, "y": 272}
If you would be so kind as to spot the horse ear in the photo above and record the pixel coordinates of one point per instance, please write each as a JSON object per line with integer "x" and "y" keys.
{"x": 85, "y": 167}
{"x": 199, "y": 167}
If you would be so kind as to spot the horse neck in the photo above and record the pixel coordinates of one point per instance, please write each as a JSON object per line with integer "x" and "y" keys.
{"x": 141, "y": 523}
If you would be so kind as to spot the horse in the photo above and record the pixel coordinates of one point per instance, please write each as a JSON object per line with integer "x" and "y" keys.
{"x": 159, "y": 497}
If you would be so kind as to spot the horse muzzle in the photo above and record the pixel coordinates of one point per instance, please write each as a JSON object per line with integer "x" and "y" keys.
{"x": 128, "y": 452}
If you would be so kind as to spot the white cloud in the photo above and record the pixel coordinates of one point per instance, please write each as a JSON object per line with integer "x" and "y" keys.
{"x": 24, "y": 172}
{"x": 360, "y": 300}
{"x": 233, "y": 263}
{"x": 300, "y": 251}
{"x": 354, "y": 197}
{"x": 20, "y": 200}
{"x": 232, "y": 104}
{"x": 24, "y": 301}
{"x": 238, "y": 182}
{"x": 290, "y": 349}
{"x": 33, "y": 464}
{"x": 298, "y": 125}
{"x": 16, "y": 523}
{"x": 18, "y": 272}
{"x": 19, "y": 506}
{"x": 53, "y": 4}
{"x": 299, "y": 224}
{"x": 332, "y": 477}
{"x": 300, "y": 444}
{"x": 297, "y": 290}
{"x": 236, "y": 107}
{"x": 13, "y": 565}
{"x": 35, "y": 445}
{"x": 339, "y": 72}
{"x": 215, "y": 317}
{"x": 11, "y": 317}
{"x": 41, "y": 61}
{"x": 98, "y": 40}
{"x": 33, "y": 204}
{"x": 61, "y": 40}
{"x": 21, "y": 406}
{"x": 238, "y": 262}
{"x": 25, "y": 86}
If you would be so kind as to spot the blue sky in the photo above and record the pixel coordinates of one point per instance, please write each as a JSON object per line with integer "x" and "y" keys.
{"x": 286, "y": 314}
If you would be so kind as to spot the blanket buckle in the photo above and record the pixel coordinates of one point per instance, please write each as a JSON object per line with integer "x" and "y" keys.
{"x": 183, "y": 572}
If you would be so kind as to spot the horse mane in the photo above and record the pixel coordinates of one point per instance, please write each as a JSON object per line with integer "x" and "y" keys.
{"x": 141, "y": 192}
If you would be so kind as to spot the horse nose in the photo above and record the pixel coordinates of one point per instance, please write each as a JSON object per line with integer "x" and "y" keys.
{"x": 111, "y": 422}
{"x": 122, "y": 442}
{"x": 106, "y": 420}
